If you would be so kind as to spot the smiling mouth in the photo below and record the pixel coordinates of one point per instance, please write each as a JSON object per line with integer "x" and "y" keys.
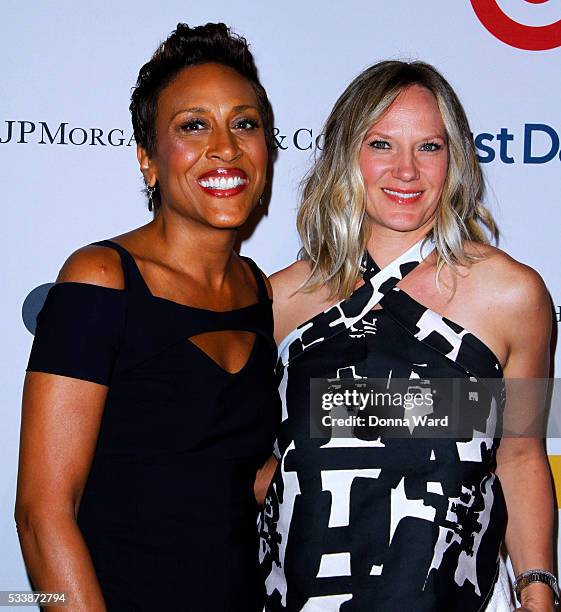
{"x": 223, "y": 182}
{"x": 402, "y": 197}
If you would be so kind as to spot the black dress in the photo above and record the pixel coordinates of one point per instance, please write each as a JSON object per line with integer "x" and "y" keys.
{"x": 380, "y": 522}
{"x": 168, "y": 511}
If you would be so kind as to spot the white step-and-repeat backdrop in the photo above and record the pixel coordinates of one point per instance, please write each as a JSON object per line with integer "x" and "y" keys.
{"x": 70, "y": 175}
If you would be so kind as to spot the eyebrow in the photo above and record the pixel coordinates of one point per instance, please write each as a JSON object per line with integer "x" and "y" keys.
{"x": 386, "y": 136}
{"x": 243, "y": 107}
{"x": 202, "y": 109}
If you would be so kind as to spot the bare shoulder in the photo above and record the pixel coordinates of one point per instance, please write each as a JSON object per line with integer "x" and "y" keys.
{"x": 292, "y": 306}
{"x": 94, "y": 265}
{"x": 268, "y": 285}
{"x": 514, "y": 286}
{"x": 286, "y": 282}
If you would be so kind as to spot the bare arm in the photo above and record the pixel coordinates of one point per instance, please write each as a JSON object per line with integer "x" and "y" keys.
{"x": 263, "y": 479}
{"x": 60, "y": 424}
{"x": 522, "y": 465}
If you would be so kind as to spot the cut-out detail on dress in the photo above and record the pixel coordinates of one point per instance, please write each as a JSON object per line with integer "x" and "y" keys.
{"x": 161, "y": 323}
{"x": 233, "y": 363}
{"x": 180, "y": 441}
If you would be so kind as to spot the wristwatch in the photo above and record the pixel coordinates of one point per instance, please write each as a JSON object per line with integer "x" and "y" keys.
{"x": 537, "y": 575}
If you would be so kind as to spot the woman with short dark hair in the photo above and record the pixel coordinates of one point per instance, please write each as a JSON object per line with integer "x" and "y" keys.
{"x": 213, "y": 43}
{"x": 149, "y": 404}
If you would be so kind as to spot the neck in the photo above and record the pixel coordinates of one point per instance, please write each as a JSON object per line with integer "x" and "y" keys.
{"x": 204, "y": 252}
{"x": 385, "y": 244}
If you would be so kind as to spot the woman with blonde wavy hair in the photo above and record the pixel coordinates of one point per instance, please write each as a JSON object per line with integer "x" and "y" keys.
{"x": 395, "y": 268}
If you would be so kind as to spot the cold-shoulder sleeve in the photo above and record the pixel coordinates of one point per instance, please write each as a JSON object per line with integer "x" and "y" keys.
{"x": 79, "y": 331}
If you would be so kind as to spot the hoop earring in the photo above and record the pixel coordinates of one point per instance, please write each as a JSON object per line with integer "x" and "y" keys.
{"x": 260, "y": 200}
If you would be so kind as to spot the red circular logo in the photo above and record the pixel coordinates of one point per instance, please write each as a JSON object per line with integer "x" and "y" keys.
{"x": 532, "y": 38}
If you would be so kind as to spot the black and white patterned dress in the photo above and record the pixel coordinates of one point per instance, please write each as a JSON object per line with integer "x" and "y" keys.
{"x": 385, "y": 524}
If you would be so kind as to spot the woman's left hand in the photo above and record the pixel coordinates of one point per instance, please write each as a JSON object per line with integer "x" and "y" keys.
{"x": 263, "y": 479}
{"x": 537, "y": 597}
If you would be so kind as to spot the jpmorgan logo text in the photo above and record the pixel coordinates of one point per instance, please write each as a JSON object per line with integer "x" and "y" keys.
{"x": 43, "y": 133}
{"x": 302, "y": 139}
{"x": 531, "y": 143}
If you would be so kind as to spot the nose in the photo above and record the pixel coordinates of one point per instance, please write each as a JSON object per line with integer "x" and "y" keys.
{"x": 223, "y": 145}
{"x": 405, "y": 168}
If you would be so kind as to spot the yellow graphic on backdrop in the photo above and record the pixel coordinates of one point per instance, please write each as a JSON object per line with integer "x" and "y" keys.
{"x": 555, "y": 463}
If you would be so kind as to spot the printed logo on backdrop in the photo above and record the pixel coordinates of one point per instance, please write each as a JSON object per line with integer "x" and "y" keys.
{"x": 533, "y": 25}
{"x": 33, "y": 304}
{"x": 532, "y": 143}
{"x": 43, "y": 133}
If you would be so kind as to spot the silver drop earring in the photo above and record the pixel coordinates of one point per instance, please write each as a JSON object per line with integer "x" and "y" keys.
{"x": 150, "y": 189}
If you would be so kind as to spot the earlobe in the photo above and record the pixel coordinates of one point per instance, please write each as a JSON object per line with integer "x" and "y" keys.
{"x": 146, "y": 166}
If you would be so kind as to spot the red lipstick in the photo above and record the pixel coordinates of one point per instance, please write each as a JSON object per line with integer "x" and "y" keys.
{"x": 223, "y": 182}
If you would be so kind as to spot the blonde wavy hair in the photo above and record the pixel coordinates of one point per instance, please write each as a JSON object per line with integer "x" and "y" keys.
{"x": 331, "y": 216}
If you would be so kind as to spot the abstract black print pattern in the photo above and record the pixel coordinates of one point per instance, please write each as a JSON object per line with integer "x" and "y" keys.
{"x": 382, "y": 524}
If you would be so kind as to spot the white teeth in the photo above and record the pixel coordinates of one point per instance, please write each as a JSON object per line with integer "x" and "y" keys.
{"x": 404, "y": 196}
{"x": 222, "y": 182}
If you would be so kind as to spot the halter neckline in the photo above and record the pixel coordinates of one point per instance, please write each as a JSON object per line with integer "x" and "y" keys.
{"x": 369, "y": 267}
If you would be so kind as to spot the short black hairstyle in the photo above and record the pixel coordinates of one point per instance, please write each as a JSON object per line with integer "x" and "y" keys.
{"x": 189, "y": 46}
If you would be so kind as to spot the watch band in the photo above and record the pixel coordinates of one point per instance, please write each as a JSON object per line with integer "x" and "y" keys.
{"x": 536, "y": 575}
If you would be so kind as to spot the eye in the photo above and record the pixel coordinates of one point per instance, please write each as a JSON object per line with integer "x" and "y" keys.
{"x": 379, "y": 145}
{"x": 193, "y": 125}
{"x": 246, "y": 124}
{"x": 430, "y": 147}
